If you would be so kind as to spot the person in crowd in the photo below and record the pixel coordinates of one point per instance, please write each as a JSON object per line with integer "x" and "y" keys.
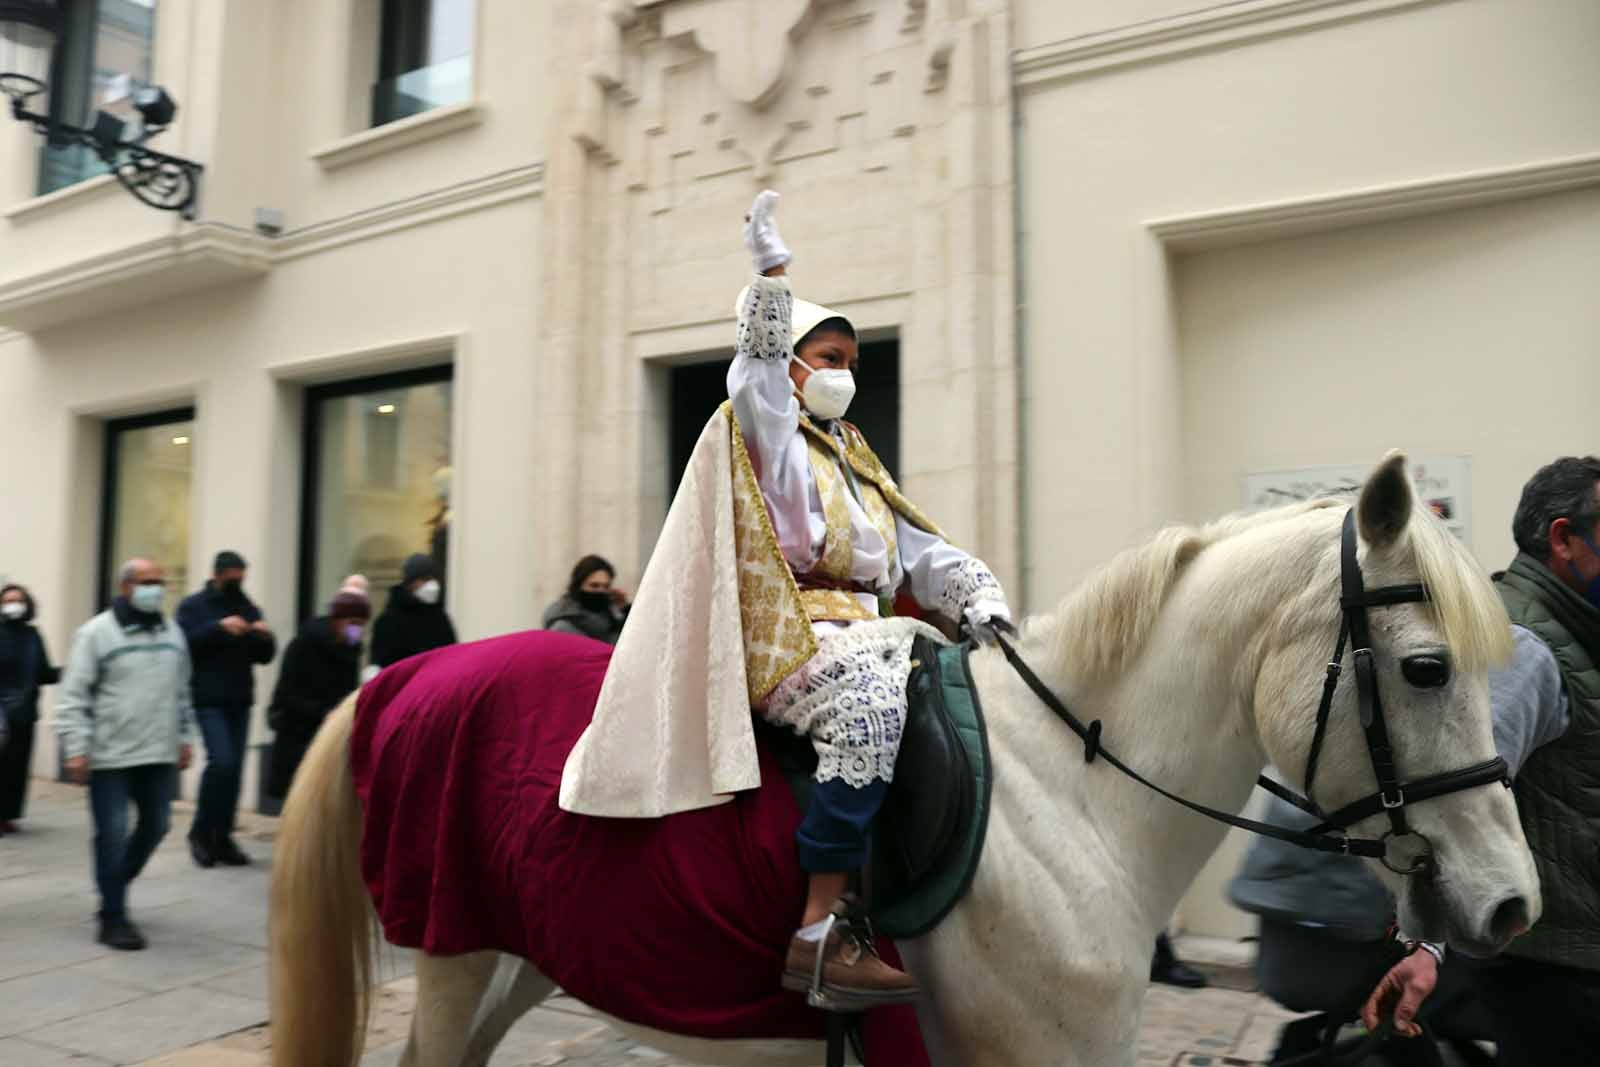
{"x": 320, "y": 669}
{"x": 227, "y": 638}
{"x": 1543, "y": 993}
{"x": 592, "y": 606}
{"x": 125, "y": 726}
{"x": 24, "y": 669}
{"x": 1325, "y": 923}
{"x": 413, "y": 621}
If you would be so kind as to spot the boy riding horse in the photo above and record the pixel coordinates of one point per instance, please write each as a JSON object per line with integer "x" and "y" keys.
{"x": 823, "y": 540}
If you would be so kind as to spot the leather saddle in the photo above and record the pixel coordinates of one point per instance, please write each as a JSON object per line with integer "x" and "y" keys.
{"x": 926, "y": 835}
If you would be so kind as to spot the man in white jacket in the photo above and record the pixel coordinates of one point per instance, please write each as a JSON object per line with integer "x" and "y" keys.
{"x": 126, "y": 727}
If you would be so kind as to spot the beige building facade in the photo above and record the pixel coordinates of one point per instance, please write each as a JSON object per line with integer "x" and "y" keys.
{"x": 1131, "y": 261}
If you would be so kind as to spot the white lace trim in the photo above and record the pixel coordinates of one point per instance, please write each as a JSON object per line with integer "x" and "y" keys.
{"x": 765, "y": 315}
{"x": 850, "y": 699}
{"x": 969, "y": 583}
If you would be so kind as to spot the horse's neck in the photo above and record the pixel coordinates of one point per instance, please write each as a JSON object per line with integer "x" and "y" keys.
{"x": 1179, "y": 715}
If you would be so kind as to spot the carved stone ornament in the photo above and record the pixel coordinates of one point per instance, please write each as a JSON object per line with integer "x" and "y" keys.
{"x": 751, "y": 41}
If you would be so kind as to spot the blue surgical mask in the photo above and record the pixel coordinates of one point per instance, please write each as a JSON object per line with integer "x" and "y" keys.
{"x": 1591, "y": 590}
{"x": 147, "y": 598}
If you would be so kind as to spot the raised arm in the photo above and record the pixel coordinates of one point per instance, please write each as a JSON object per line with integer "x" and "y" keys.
{"x": 758, "y": 379}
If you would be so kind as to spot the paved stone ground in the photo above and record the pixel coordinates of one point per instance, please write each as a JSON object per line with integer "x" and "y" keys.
{"x": 198, "y": 996}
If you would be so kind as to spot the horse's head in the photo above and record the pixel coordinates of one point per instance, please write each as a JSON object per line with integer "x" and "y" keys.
{"x": 1431, "y": 661}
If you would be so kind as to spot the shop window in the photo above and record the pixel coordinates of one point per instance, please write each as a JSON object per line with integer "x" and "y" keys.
{"x": 377, "y": 481}
{"x": 148, "y": 475}
{"x": 424, "y": 57}
{"x": 103, "y": 54}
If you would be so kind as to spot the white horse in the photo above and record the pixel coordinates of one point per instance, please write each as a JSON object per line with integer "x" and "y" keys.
{"x": 1203, "y": 653}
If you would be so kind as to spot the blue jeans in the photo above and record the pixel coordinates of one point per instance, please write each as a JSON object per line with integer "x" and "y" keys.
{"x": 834, "y": 834}
{"x": 119, "y": 857}
{"x": 225, "y": 731}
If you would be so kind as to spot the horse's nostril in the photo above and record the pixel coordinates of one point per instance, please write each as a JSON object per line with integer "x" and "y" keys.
{"x": 1510, "y": 919}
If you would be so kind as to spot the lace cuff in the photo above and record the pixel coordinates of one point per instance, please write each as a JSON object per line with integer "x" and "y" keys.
{"x": 766, "y": 310}
{"x": 969, "y": 583}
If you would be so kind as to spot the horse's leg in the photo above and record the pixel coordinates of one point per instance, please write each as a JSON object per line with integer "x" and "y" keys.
{"x": 516, "y": 990}
{"x": 449, "y": 990}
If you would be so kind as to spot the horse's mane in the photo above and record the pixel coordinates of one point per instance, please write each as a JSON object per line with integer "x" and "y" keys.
{"x": 1103, "y": 625}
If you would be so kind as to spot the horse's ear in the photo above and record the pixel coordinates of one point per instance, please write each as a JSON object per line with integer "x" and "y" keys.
{"x": 1386, "y": 502}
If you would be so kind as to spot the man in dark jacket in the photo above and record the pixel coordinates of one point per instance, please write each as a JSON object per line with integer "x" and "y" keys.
{"x": 1543, "y": 993}
{"x": 413, "y": 621}
{"x": 227, "y": 638}
{"x": 320, "y": 668}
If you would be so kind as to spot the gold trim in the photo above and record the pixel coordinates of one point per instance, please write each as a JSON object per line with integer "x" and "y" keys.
{"x": 838, "y": 555}
{"x": 867, "y": 465}
{"x": 835, "y": 605}
{"x": 778, "y": 609}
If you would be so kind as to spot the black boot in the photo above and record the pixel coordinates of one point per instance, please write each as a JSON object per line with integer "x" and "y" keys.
{"x": 121, "y": 934}
{"x": 201, "y": 849}
{"x": 228, "y": 853}
{"x": 1166, "y": 967}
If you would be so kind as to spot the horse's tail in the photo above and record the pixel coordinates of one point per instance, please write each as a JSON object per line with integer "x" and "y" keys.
{"x": 321, "y": 921}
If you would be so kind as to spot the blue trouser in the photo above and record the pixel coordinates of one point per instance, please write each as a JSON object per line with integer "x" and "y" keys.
{"x": 833, "y": 835}
{"x": 119, "y": 857}
{"x": 225, "y": 731}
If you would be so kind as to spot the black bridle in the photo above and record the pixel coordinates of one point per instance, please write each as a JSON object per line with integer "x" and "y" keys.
{"x": 1393, "y": 795}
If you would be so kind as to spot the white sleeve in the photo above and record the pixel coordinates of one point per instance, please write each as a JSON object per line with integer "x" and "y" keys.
{"x": 1527, "y": 700}
{"x": 758, "y": 379}
{"x": 941, "y": 577}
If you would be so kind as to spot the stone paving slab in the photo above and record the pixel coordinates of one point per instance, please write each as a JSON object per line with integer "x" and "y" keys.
{"x": 198, "y": 996}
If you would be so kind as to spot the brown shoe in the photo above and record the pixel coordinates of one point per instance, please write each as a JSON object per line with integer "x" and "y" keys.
{"x": 852, "y": 974}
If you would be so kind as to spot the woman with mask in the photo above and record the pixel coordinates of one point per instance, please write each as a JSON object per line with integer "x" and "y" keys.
{"x": 24, "y": 668}
{"x": 320, "y": 668}
{"x": 414, "y": 620}
{"x": 592, "y": 606}
{"x": 819, "y": 542}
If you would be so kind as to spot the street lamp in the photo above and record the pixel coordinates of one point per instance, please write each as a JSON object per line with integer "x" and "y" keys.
{"x": 28, "y": 32}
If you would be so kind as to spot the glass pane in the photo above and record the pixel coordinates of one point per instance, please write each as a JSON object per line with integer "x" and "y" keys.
{"x": 383, "y": 485}
{"x": 150, "y": 510}
{"x": 427, "y": 58}
{"x": 106, "y": 52}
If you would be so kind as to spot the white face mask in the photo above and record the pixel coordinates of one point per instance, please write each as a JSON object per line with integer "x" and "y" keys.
{"x": 14, "y": 610}
{"x": 828, "y": 393}
{"x": 147, "y": 598}
{"x": 428, "y": 592}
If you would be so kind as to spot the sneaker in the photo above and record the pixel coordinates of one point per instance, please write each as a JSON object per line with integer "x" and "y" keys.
{"x": 228, "y": 853}
{"x": 203, "y": 856}
{"x": 121, "y": 934}
{"x": 853, "y": 976}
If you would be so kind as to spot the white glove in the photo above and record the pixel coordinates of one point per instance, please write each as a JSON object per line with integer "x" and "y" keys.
{"x": 761, "y": 236}
{"x": 981, "y": 616}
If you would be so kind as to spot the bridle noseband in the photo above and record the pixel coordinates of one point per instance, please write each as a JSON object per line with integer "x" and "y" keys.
{"x": 1393, "y": 795}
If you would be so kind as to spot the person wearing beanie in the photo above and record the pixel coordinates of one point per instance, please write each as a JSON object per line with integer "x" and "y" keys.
{"x": 414, "y": 620}
{"x": 227, "y": 637}
{"x": 320, "y": 668}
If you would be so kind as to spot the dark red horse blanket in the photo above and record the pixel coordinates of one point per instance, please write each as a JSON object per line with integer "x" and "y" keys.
{"x": 680, "y": 923}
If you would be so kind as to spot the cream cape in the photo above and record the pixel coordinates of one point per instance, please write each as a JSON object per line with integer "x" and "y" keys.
{"x": 717, "y": 622}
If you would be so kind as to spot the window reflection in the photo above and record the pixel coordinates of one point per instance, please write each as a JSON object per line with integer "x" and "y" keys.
{"x": 149, "y": 479}
{"x": 379, "y": 481}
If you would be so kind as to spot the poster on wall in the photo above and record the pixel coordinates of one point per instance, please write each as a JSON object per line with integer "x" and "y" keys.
{"x": 1443, "y": 483}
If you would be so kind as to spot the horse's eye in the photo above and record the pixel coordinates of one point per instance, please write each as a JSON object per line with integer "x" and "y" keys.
{"x": 1426, "y": 672}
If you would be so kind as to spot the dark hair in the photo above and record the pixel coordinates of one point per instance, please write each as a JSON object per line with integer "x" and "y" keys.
{"x": 27, "y": 598}
{"x": 587, "y": 566}
{"x": 1564, "y": 489}
{"x": 837, "y": 325}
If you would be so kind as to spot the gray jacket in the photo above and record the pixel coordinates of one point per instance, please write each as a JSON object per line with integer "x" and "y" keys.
{"x": 124, "y": 699}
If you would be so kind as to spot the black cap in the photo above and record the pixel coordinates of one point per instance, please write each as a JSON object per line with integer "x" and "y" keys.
{"x": 228, "y": 560}
{"x": 420, "y": 565}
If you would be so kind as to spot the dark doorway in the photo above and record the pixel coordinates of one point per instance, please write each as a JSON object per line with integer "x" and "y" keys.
{"x": 698, "y": 389}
